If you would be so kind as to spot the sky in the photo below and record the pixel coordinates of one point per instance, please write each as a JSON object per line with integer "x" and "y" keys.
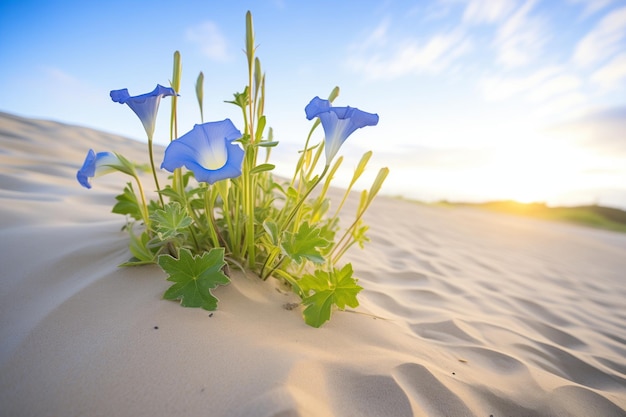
{"x": 478, "y": 99}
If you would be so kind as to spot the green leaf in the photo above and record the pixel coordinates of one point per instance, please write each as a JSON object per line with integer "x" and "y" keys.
{"x": 172, "y": 194}
{"x": 358, "y": 234}
{"x": 262, "y": 168}
{"x": 272, "y": 231}
{"x": 200, "y": 93}
{"x": 177, "y": 72}
{"x": 259, "y": 128}
{"x": 304, "y": 244}
{"x": 333, "y": 94}
{"x": 268, "y": 144}
{"x": 378, "y": 183}
{"x": 194, "y": 277}
{"x": 171, "y": 221}
{"x": 329, "y": 288}
{"x": 127, "y": 203}
{"x": 249, "y": 38}
{"x": 139, "y": 248}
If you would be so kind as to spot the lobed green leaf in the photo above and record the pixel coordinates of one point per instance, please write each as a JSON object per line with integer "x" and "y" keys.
{"x": 338, "y": 288}
{"x": 304, "y": 244}
{"x": 170, "y": 221}
{"x": 194, "y": 277}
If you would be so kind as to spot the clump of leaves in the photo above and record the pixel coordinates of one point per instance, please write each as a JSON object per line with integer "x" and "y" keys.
{"x": 228, "y": 208}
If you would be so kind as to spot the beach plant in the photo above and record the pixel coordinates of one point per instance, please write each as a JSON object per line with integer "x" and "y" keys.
{"x": 224, "y": 208}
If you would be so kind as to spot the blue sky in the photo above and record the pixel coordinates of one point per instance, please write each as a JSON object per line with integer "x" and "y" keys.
{"x": 478, "y": 99}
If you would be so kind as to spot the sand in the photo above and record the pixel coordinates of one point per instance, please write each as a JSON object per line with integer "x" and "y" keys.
{"x": 463, "y": 312}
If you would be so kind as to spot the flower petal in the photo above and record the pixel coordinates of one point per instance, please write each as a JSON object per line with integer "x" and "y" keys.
{"x": 315, "y": 107}
{"x": 338, "y": 123}
{"x": 120, "y": 96}
{"x": 95, "y": 165}
{"x": 207, "y": 150}
{"x": 145, "y": 106}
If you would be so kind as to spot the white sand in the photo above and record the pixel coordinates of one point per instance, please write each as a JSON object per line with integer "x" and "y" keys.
{"x": 484, "y": 314}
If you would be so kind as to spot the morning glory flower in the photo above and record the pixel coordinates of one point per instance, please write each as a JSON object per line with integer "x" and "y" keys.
{"x": 96, "y": 164}
{"x": 145, "y": 106}
{"x": 207, "y": 150}
{"x": 338, "y": 123}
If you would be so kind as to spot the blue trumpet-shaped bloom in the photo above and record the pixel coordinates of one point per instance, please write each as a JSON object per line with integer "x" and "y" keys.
{"x": 145, "y": 106}
{"x": 338, "y": 123}
{"x": 207, "y": 150}
{"x": 96, "y": 164}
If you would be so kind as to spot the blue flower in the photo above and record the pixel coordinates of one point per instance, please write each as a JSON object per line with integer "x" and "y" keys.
{"x": 96, "y": 164}
{"x": 145, "y": 106}
{"x": 207, "y": 150}
{"x": 338, "y": 123}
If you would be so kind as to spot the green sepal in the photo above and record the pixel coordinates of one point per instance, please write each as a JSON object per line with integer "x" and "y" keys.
{"x": 328, "y": 288}
{"x": 124, "y": 166}
{"x": 194, "y": 277}
{"x": 240, "y": 99}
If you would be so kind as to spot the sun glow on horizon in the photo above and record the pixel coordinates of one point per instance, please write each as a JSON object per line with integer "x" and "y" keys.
{"x": 539, "y": 168}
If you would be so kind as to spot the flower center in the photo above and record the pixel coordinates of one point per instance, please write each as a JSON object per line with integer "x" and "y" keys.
{"x": 214, "y": 156}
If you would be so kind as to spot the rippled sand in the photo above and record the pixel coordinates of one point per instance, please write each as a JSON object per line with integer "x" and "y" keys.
{"x": 464, "y": 312}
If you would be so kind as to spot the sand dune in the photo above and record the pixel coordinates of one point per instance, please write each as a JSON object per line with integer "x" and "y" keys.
{"x": 464, "y": 312}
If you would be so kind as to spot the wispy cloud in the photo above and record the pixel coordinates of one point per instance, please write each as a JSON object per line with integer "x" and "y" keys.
{"x": 500, "y": 87}
{"x": 381, "y": 57}
{"x": 487, "y": 11}
{"x": 65, "y": 84}
{"x": 591, "y": 6}
{"x": 521, "y": 37}
{"x": 558, "y": 85}
{"x": 601, "y": 131}
{"x": 208, "y": 37}
{"x": 551, "y": 91}
{"x": 612, "y": 74}
{"x": 603, "y": 41}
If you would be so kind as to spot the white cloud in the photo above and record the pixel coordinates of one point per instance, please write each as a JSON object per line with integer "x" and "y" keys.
{"x": 555, "y": 86}
{"x": 487, "y": 11}
{"x": 520, "y": 38}
{"x": 591, "y": 6}
{"x": 552, "y": 91}
{"x": 562, "y": 106}
{"x": 68, "y": 85}
{"x": 379, "y": 35}
{"x": 497, "y": 88}
{"x": 611, "y": 74}
{"x": 381, "y": 58}
{"x": 602, "y": 41}
{"x": 210, "y": 40}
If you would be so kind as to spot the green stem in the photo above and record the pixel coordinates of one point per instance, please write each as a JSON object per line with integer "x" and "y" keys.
{"x": 249, "y": 200}
{"x": 208, "y": 207}
{"x": 154, "y": 174}
{"x": 297, "y": 207}
{"x": 144, "y": 205}
{"x": 274, "y": 269}
{"x": 343, "y": 249}
{"x": 269, "y": 261}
